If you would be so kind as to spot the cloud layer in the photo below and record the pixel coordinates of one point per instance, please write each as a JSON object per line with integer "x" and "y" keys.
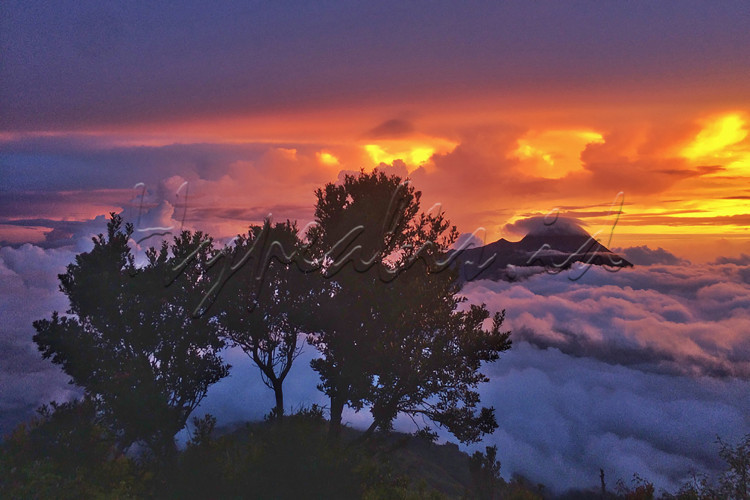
{"x": 635, "y": 371}
{"x": 562, "y": 418}
{"x": 667, "y": 319}
{"x": 28, "y": 291}
{"x": 492, "y": 176}
{"x": 256, "y": 105}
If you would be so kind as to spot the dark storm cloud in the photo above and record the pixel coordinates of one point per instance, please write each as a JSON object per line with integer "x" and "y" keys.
{"x": 78, "y": 234}
{"x": 87, "y": 63}
{"x": 742, "y": 260}
{"x": 60, "y": 233}
{"x": 391, "y": 129}
{"x": 30, "y": 204}
{"x": 645, "y": 256}
{"x": 251, "y": 214}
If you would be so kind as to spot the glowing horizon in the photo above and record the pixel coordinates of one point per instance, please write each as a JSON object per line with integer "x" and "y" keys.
{"x": 704, "y": 170}
{"x": 491, "y": 133}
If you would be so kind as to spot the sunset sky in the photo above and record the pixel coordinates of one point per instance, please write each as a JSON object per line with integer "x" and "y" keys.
{"x": 496, "y": 111}
{"x": 632, "y": 118}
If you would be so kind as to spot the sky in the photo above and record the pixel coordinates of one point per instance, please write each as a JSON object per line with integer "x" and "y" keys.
{"x": 632, "y": 119}
{"x": 497, "y": 111}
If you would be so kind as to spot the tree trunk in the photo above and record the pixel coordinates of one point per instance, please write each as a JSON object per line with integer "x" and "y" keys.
{"x": 279, "y": 392}
{"x": 370, "y": 430}
{"x": 334, "y": 428}
{"x": 168, "y": 451}
{"x": 165, "y": 453}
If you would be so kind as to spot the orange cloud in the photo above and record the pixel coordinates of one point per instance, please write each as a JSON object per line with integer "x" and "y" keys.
{"x": 553, "y": 154}
{"x": 488, "y": 167}
{"x": 414, "y": 152}
{"x": 327, "y": 158}
{"x": 716, "y": 137}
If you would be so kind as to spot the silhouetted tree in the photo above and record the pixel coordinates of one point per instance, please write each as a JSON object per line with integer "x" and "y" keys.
{"x": 131, "y": 340}
{"x": 429, "y": 354}
{"x": 642, "y": 489}
{"x": 485, "y": 473}
{"x": 263, "y": 304}
{"x": 391, "y": 334}
{"x": 360, "y": 223}
{"x": 735, "y": 482}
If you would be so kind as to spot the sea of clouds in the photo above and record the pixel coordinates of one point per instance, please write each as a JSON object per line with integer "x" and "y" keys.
{"x": 636, "y": 371}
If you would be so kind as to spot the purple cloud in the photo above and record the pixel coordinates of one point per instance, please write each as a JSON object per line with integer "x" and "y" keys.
{"x": 645, "y": 256}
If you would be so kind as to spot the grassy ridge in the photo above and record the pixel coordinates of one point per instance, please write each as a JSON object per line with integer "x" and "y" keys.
{"x": 65, "y": 454}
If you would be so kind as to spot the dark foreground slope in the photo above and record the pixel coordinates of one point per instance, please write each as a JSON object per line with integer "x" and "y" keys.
{"x": 291, "y": 459}
{"x": 294, "y": 459}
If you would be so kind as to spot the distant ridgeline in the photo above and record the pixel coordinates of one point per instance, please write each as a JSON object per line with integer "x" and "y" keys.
{"x": 552, "y": 248}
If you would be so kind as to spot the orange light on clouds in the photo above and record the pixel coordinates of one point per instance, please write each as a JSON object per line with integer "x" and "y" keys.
{"x": 553, "y": 154}
{"x": 716, "y": 136}
{"x": 702, "y": 177}
{"x": 414, "y": 152}
{"x": 413, "y": 156}
{"x": 288, "y": 153}
{"x": 722, "y": 140}
{"x": 327, "y": 158}
{"x": 526, "y": 150}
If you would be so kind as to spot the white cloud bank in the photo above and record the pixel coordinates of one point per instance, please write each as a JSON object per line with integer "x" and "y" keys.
{"x": 670, "y": 319}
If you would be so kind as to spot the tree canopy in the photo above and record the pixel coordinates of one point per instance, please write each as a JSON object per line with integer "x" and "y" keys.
{"x": 391, "y": 333}
{"x": 429, "y": 353}
{"x": 130, "y": 341}
{"x": 370, "y": 286}
{"x": 262, "y": 306}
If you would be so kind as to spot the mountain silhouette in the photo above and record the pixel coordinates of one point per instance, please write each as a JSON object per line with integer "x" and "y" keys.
{"x": 554, "y": 247}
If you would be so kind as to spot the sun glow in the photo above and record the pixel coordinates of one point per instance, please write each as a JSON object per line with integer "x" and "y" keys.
{"x": 413, "y": 152}
{"x": 413, "y": 156}
{"x": 553, "y": 154}
{"x": 716, "y": 137}
{"x": 326, "y": 158}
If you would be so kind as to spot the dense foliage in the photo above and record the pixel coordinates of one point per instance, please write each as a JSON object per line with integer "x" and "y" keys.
{"x": 391, "y": 333}
{"x": 131, "y": 341}
{"x": 64, "y": 454}
{"x": 264, "y": 299}
{"x": 58, "y": 458}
